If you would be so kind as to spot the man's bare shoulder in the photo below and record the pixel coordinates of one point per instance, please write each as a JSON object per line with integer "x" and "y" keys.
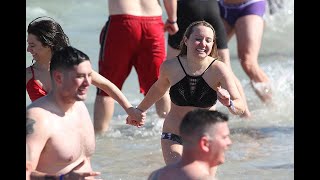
{"x": 155, "y": 174}
{"x": 40, "y": 110}
{"x": 39, "y": 105}
{"x": 167, "y": 172}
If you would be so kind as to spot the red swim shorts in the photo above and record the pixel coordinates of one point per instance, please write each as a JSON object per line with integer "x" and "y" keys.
{"x": 127, "y": 41}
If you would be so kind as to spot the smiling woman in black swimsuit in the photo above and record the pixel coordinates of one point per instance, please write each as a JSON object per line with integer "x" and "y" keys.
{"x": 195, "y": 79}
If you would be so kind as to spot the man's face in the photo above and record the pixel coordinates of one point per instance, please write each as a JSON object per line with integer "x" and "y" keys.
{"x": 220, "y": 142}
{"x": 76, "y": 82}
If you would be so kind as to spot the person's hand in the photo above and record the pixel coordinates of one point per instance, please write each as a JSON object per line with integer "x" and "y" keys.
{"x": 171, "y": 27}
{"x": 76, "y": 175}
{"x": 137, "y": 114}
{"x": 132, "y": 121}
{"x": 223, "y": 96}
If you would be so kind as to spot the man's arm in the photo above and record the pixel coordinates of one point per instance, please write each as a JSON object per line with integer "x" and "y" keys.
{"x": 171, "y": 9}
{"x": 37, "y": 134}
{"x": 171, "y": 23}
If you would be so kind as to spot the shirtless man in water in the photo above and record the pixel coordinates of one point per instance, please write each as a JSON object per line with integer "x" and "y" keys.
{"x": 205, "y": 135}
{"x": 137, "y": 32}
{"x": 60, "y": 133}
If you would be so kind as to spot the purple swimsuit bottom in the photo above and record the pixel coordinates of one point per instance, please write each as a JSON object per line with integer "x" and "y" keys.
{"x": 231, "y": 12}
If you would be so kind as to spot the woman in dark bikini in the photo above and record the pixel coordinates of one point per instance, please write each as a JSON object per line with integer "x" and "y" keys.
{"x": 195, "y": 79}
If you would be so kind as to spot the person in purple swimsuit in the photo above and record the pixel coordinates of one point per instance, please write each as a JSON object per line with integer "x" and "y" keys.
{"x": 244, "y": 18}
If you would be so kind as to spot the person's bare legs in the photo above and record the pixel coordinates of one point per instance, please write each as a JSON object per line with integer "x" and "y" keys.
{"x": 225, "y": 55}
{"x": 103, "y": 112}
{"x": 171, "y": 151}
{"x": 249, "y": 30}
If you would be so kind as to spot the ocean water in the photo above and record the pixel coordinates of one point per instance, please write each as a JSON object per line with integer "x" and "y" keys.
{"x": 263, "y": 148}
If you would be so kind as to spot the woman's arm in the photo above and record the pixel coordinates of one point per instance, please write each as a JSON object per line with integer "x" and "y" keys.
{"x": 227, "y": 92}
{"x": 157, "y": 90}
{"x": 113, "y": 91}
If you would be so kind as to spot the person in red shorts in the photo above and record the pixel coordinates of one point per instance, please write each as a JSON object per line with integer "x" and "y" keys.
{"x": 133, "y": 36}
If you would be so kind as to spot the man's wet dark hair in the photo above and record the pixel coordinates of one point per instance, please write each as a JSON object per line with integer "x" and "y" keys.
{"x": 66, "y": 58}
{"x": 196, "y": 122}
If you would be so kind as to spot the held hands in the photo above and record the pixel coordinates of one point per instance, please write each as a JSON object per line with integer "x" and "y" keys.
{"x": 223, "y": 96}
{"x": 136, "y": 117}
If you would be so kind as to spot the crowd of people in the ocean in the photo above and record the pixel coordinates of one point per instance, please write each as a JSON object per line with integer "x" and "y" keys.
{"x": 184, "y": 82}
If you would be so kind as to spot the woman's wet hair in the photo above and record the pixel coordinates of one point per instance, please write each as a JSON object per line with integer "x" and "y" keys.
{"x": 49, "y": 32}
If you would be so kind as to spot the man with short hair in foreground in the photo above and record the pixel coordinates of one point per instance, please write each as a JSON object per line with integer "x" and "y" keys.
{"x": 205, "y": 138}
{"x": 60, "y": 134}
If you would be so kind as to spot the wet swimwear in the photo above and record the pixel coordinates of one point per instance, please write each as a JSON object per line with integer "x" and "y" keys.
{"x": 189, "y": 11}
{"x": 34, "y": 89}
{"x": 128, "y": 41}
{"x": 172, "y": 137}
{"x": 193, "y": 91}
{"x": 232, "y": 12}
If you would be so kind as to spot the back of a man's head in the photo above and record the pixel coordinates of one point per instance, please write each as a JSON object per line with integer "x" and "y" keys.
{"x": 198, "y": 122}
{"x": 66, "y": 58}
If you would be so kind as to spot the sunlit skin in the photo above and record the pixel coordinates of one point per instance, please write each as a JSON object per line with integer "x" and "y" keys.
{"x": 203, "y": 150}
{"x": 195, "y": 61}
{"x": 104, "y": 105}
{"x": 248, "y": 30}
{"x": 200, "y": 43}
{"x": 42, "y": 56}
{"x": 220, "y": 143}
{"x": 77, "y": 82}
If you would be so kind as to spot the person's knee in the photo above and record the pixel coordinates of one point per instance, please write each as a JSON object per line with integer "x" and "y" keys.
{"x": 247, "y": 66}
{"x": 224, "y": 55}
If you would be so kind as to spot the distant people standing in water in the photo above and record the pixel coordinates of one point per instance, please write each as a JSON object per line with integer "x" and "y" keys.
{"x": 133, "y": 36}
{"x": 189, "y": 11}
{"x": 45, "y": 36}
{"x": 205, "y": 138}
{"x": 244, "y": 18}
{"x": 196, "y": 79}
{"x": 60, "y": 134}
